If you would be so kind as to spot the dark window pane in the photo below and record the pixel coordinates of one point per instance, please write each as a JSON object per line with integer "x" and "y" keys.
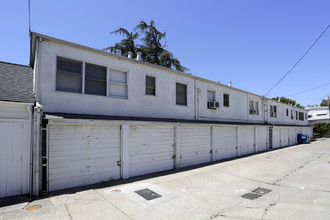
{"x": 95, "y": 87}
{"x": 68, "y": 75}
{"x": 226, "y": 100}
{"x": 95, "y": 79}
{"x": 68, "y": 65}
{"x": 150, "y": 85}
{"x": 95, "y": 72}
{"x": 181, "y": 94}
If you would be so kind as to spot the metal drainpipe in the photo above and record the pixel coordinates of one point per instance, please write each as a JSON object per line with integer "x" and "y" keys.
{"x": 30, "y": 111}
{"x": 37, "y": 150}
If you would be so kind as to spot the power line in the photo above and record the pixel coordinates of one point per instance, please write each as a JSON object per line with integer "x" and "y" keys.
{"x": 307, "y": 90}
{"x": 319, "y": 99}
{"x": 299, "y": 60}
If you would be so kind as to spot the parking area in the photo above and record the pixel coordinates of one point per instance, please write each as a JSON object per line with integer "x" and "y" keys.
{"x": 289, "y": 183}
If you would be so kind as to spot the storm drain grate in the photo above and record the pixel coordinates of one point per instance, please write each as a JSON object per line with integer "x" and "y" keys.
{"x": 148, "y": 194}
{"x": 251, "y": 196}
{"x": 258, "y": 192}
{"x": 261, "y": 191}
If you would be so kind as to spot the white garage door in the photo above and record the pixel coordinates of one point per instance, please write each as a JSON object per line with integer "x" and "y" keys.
{"x": 195, "y": 145}
{"x": 224, "y": 142}
{"x": 151, "y": 149}
{"x": 81, "y": 155}
{"x": 14, "y": 158}
{"x": 276, "y": 137}
{"x": 284, "y": 137}
{"x": 261, "y": 139}
{"x": 246, "y": 140}
{"x": 293, "y": 136}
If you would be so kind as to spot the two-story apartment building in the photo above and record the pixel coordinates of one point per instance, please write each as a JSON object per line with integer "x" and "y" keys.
{"x": 104, "y": 116}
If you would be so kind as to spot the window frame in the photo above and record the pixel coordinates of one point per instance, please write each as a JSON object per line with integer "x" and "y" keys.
{"x": 273, "y": 111}
{"x": 226, "y": 102}
{"x": 110, "y": 82}
{"x": 255, "y": 107}
{"x": 185, "y": 94}
{"x": 95, "y": 79}
{"x": 69, "y": 74}
{"x": 154, "y": 86}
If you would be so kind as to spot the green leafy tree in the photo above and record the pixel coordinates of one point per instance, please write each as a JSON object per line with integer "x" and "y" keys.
{"x": 324, "y": 102}
{"x": 152, "y": 47}
{"x": 127, "y": 44}
{"x": 321, "y": 129}
{"x": 288, "y": 101}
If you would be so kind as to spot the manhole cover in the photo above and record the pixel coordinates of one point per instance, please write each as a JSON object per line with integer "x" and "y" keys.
{"x": 261, "y": 191}
{"x": 116, "y": 190}
{"x": 251, "y": 196}
{"x": 148, "y": 194}
{"x": 35, "y": 207}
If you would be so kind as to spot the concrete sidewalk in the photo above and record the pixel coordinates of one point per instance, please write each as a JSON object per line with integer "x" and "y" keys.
{"x": 298, "y": 177}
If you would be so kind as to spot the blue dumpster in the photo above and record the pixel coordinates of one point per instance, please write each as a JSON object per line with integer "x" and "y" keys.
{"x": 302, "y": 139}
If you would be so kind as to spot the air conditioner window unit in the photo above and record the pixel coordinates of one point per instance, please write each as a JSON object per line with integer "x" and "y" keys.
{"x": 213, "y": 105}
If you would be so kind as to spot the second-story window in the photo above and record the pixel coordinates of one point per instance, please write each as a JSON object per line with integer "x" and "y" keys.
{"x": 95, "y": 79}
{"x": 287, "y": 112}
{"x": 253, "y": 108}
{"x": 68, "y": 75}
{"x": 150, "y": 85}
{"x": 181, "y": 94}
{"x": 226, "y": 100}
{"x": 296, "y": 115}
{"x": 118, "y": 84}
{"x": 273, "y": 111}
{"x": 292, "y": 115}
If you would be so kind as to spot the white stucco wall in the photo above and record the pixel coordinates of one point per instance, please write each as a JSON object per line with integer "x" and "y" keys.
{"x": 163, "y": 105}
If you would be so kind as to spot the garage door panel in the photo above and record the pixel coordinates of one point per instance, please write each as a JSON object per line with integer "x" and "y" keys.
{"x": 246, "y": 140}
{"x": 150, "y": 149}
{"x": 195, "y": 145}
{"x": 276, "y": 137}
{"x": 14, "y": 158}
{"x": 224, "y": 142}
{"x": 261, "y": 139}
{"x": 284, "y": 137}
{"x": 89, "y": 153}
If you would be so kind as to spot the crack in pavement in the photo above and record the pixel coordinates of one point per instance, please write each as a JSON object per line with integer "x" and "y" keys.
{"x": 67, "y": 210}
{"x": 294, "y": 171}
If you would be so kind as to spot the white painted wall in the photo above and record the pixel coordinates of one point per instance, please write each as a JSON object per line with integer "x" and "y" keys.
{"x": 163, "y": 105}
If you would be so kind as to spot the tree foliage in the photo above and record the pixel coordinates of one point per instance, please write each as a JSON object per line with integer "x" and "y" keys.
{"x": 324, "y": 102}
{"x": 125, "y": 45}
{"x": 152, "y": 47}
{"x": 288, "y": 101}
{"x": 321, "y": 129}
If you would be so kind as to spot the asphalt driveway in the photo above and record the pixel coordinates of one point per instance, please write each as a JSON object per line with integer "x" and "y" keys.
{"x": 289, "y": 183}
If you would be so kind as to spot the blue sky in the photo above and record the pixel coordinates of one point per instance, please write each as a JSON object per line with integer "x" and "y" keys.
{"x": 251, "y": 43}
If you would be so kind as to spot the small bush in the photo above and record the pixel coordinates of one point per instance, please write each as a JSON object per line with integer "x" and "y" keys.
{"x": 321, "y": 129}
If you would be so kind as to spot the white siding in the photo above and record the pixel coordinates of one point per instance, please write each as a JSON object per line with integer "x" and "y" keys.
{"x": 246, "y": 140}
{"x": 276, "y": 137}
{"x": 225, "y": 145}
{"x": 82, "y": 155}
{"x": 284, "y": 137}
{"x": 195, "y": 145}
{"x": 293, "y": 135}
{"x": 14, "y": 158}
{"x": 262, "y": 138}
{"x": 150, "y": 149}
